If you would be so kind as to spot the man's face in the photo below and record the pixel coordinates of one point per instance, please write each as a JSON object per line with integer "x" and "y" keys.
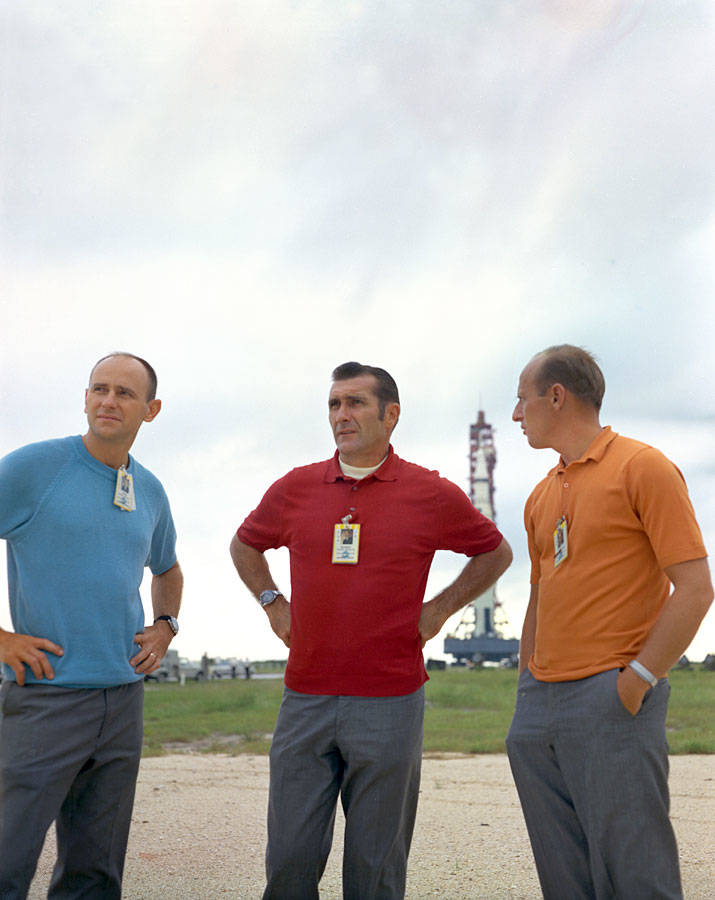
{"x": 361, "y": 436}
{"x": 532, "y": 411}
{"x": 116, "y": 400}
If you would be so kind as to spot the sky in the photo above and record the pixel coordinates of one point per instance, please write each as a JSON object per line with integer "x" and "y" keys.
{"x": 250, "y": 193}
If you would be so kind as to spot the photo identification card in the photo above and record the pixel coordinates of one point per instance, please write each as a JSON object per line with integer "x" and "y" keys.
{"x": 561, "y": 541}
{"x": 346, "y": 543}
{"x": 124, "y": 491}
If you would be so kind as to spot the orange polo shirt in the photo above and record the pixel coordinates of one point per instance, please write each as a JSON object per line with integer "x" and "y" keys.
{"x": 629, "y": 516}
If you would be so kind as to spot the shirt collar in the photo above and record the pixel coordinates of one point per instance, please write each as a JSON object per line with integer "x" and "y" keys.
{"x": 595, "y": 450}
{"x": 386, "y": 472}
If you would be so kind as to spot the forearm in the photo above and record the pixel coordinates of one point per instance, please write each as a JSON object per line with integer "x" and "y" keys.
{"x": 673, "y": 630}
{"x": 166, "y": 592}
{"x": 476, "y": 577}
{"x": 252, "y": 567}
{"x": 680, "y": 618}
{"x": 254, "y": 572}
{"x": 154, "y": 640}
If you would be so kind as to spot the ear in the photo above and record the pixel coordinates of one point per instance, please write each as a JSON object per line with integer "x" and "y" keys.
{"x": 392, "y": 414}
{"x": 557, "y": 396}
{"x": 154, "y": 408}
{"x": 86, "y": 394}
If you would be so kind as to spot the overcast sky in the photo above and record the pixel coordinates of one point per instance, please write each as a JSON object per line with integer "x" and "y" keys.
{"x": 249, "y": 193}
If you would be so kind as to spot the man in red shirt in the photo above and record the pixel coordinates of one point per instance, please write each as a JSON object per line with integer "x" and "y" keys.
{"x": 350, "y": 723}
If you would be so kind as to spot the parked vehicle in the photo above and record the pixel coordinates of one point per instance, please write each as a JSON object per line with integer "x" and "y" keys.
{"x": 173, "y": 667}
{"x": 230, "y": 668}
{"x": 192, "y": 671}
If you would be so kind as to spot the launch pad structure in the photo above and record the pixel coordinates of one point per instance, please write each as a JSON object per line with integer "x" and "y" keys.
{"x": 478, "y": 636}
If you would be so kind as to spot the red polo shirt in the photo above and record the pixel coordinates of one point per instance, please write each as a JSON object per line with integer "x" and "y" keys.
{"x": 354, "y": 627}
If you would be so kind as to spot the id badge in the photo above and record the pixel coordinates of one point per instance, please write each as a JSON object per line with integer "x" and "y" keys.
{"x": 346, "y": 543}
{"x": 124, "y": 491}
{"x": 561, "y": 541}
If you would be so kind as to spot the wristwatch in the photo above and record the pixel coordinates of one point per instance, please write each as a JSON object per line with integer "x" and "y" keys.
{"x": 643, "y": 673}
{"x": 265, "y": 598}
{"x": 173, "y": 623}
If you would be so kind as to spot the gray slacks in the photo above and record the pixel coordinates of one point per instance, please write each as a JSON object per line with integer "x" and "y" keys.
{"x": 70, "y": 756}
{"x": 593, "y": 785}
{"x": 368, "y": 750}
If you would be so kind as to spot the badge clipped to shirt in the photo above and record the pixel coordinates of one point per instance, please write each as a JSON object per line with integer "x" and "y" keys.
{"x": 124, "y": 491}
{"x": 346, "y": 542}
{"x": 561, "y": 541}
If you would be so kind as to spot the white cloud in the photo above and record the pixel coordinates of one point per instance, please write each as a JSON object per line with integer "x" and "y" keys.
{"x": 248, "y": 194}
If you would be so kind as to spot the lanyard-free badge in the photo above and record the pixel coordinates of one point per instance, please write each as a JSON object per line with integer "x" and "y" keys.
{"x": 346, "y": 541}
{"x": 124, "y": 491}
{"x": 561, "y": 541}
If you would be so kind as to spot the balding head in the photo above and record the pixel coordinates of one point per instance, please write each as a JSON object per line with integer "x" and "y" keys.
{"x": 574, "y": 368}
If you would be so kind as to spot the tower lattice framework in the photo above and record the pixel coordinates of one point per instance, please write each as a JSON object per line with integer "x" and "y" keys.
{"x": 484, "y": 615}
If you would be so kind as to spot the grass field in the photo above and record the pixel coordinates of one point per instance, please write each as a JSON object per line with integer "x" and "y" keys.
{"x": 467, "y": 712}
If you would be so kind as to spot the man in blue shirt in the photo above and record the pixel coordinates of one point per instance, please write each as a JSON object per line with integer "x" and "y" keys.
{"x": 82, "y": 519}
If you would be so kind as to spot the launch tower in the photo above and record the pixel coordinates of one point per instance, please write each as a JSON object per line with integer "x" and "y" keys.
{"x": 478, "y": 636}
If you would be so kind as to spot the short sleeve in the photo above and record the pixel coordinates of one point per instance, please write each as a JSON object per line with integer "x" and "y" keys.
{"x": 25, "y": 475}
{"x": 659, "y": 498}
{"x": 463, "y": 529}
{"x": 163, "y": 542}
{"x": 261, "y": 529}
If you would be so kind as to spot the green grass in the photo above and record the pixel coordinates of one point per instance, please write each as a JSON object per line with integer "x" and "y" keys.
{"x": 467, "y": 712}
{"x": 691, "y": 713}
{"x": 207, "y": 712}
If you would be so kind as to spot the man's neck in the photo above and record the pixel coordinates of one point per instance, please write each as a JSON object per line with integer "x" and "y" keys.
{"x": 366, "y": 461}
{"x": 578, "y": 440}
{"x": 359, "y": 472}
{"x": 111, "y": 455}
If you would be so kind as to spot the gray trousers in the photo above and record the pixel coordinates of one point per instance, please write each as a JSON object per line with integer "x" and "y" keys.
{"x": 593, "y": 785}
{"x": 70, "y": 756}
{"x": 368, "y": 750}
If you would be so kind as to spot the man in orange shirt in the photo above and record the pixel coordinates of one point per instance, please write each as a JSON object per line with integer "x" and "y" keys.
{"x": 610, "y": 529}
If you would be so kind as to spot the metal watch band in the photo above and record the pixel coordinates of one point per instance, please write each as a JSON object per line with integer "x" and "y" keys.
{"x": 643, "y": 673}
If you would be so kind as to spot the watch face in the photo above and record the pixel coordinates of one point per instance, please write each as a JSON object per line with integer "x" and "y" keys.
{"x": 170, "y": 621}
{"x": 267, "y": 597}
